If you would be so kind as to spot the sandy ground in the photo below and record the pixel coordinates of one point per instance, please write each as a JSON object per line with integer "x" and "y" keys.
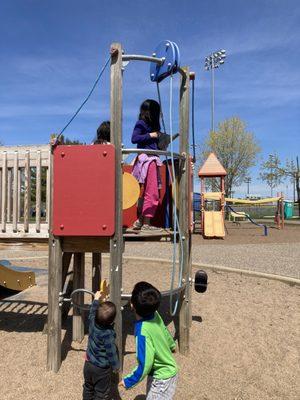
{"x": 244, "y": 247}
{"x": 244, "y": 341}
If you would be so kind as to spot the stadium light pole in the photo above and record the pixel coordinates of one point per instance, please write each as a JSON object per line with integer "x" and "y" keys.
{"x": 214, "y": 60}
{"x": 248, "y": 181}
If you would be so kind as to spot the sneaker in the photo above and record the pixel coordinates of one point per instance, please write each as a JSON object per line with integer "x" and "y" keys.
{"x": 137, "y": 225}
{"x": 150, "y": 228}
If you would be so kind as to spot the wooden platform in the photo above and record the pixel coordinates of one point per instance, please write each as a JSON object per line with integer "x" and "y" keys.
{"x": 33, "y": 236}
{"x": 132, "y": 235}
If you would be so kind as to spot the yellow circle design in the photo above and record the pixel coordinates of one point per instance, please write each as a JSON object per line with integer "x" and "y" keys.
{"x": 131, "y": 190}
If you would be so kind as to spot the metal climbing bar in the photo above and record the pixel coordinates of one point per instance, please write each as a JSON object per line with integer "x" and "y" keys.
{"x": 154, "y": 152}
{"x": 137, "y": 57}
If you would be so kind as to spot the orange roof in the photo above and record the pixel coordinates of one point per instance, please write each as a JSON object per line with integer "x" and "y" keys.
{"x": 212, "y": 167}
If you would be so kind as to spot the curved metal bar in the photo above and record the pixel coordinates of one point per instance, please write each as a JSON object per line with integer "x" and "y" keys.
{"x": 137, "y": 57}
{"x": 165, "y": 293}
{"x": 154, "y": 152}
{"x": 181, "y": 71}
{"x": 250, "y": 219}
{"x": 84, "y": 307}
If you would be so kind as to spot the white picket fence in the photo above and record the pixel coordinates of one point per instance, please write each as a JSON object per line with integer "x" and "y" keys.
{"x": 24, "y": 175}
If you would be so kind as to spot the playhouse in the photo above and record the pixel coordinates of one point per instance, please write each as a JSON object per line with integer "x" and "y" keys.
{"x": 212, "y": 203}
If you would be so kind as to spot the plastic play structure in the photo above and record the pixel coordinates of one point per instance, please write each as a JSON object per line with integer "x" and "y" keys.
{"x": 279, "y": 213}
{"x": 214, "y": 204}
{"x": 212, "y": 220}
{"x": 15, "y": 278}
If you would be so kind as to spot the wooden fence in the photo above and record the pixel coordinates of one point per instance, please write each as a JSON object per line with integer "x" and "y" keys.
{"x": 24, "y": 192}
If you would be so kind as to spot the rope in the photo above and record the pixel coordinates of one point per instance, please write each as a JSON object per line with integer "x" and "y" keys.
{"x": 87, "y": 98}
{"x": 176, "y": 228}
{"x": 161, "y": 110}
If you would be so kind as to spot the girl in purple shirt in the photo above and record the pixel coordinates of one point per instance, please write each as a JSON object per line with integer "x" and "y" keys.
{"x": 145, "y": 169}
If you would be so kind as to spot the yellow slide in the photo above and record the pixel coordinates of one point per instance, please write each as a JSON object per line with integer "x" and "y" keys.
{"x": 213, "y": 224}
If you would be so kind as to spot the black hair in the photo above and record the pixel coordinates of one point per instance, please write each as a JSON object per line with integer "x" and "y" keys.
{"x": 145, "y": 299}
{"x": 106, "y": 313}
{"x": 103, "y": 133}
{"x": 150, "y": 113}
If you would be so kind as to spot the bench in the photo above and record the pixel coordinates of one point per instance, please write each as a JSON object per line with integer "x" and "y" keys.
{"x": 240, "y": 216}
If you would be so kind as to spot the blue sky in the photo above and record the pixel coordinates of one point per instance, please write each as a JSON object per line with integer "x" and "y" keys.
{"x": 52, "y": 51}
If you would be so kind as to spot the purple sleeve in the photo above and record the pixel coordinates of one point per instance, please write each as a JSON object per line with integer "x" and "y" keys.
{"x": 140, "y": 134}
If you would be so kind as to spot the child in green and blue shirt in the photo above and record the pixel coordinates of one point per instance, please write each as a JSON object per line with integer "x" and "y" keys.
{"x": 154, "y": 346}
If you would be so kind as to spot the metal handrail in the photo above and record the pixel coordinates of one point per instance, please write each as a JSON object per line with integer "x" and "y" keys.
{"x": 137, "y": 57}
{"x": 154, "y": 152}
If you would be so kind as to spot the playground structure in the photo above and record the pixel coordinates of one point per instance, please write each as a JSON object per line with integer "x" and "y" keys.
{"x": 15, "y": 278}
{"x": 84, "y": 208}
{"x": 279, "y": 211}
{"x": 213, "y": 220}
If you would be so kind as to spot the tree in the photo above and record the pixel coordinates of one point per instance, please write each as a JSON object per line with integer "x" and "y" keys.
{"x": 271, "y": 172}
{"x": 66, "y": 140}
{"x": 235, "y": 148}
{"x": 290, "y": 170}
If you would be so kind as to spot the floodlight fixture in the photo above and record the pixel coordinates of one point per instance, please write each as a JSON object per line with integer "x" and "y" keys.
{"x": 212, "y": 61}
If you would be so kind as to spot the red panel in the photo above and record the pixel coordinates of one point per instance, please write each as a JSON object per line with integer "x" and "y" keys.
{"x": 84, "y": 190}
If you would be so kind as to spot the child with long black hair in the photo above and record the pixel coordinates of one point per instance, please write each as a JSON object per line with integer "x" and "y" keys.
{"x": 146, "y": 136}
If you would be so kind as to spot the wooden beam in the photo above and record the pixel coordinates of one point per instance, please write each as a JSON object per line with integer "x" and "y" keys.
{"x": 38, "y": 192}
{"x": 116, "y": 243}
{"x": 85, "y": 244}
{"x": 66, "y": 260}
{"x": 19, "y": 193}
{"x": 78, "y": 283}
{"x": 54, "y": 289}
{"x": 27, "y": 192}
{"x": 48, "y": 190}
{"x": 96, "y": 271}
{"x": 9, "y": 194}
{"x": 184, "y": 198}
{"x": 16, "y": 193}
{"x": 4, "y": 192}
{"x": 54, "y": 310}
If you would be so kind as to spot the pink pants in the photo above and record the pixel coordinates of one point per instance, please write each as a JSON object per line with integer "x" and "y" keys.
{"x": 151, "y": 196}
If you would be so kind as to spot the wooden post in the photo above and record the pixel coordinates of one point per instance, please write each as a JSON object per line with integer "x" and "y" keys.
{"x": 48, "y": 190}
{"x": 184, "y": 311}
{"x": 54, "y": 289}
{"x": 54, "y": 310}
{"x": 9, "y": 192}
{"x": 78, "y": 283}
{"x": 281, "y": 222}
{"x": 15, "y": 192}
{"x": 1, "y": 194}
{"x": 4, "y": 192}
{"x": 116, "y": 242}
{"x": 27, "y": 192}
{"x": 38, "y": 192}
{"x": 202, "y": 204}
{"x": 223, "y": 197}
{"x": 96, "y": 271}
{"x": 19, "y": 193}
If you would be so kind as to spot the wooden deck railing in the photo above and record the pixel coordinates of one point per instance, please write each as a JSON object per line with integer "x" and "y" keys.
{"x": 24, "y": 191}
